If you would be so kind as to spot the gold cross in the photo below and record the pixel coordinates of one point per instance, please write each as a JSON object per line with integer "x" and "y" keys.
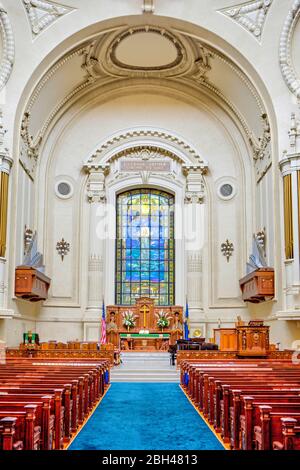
{"x": 145, "y": 310}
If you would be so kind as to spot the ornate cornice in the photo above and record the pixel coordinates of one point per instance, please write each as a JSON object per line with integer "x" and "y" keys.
{"x": 178, "y": 149}
{"x": 286, "y": 63}
{"x": 8, "y": 44}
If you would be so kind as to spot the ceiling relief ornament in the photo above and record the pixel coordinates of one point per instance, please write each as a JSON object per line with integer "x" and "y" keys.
{"x": 7, "y": 46}
{"x": 288, "y": 70}
{"x": 251, "y": 15}
{"x": 43, "y": 13}
{"x": 148, "y": 6}
{"x": 134, "y": 53}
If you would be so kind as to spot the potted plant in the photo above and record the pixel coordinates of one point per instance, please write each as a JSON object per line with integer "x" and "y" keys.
{"x": 163, "y": 320}
{"x": 129, "y": 319}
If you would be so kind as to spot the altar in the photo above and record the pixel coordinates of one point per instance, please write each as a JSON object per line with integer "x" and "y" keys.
{"x": 144, "y": 326}
{"x": 147, "y": 342}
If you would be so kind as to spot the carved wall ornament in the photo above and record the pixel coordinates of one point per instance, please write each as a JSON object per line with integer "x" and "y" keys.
{"x": 259, "y": 148}
{"x": 251, "y": 15}
{"x": 286, "y": 62}
{"x": 202, "y": 63}
{"x": 195, "y": 188}
{"x": 8, "y": 46}
{"x": 148, "y": 6}
{"x": 43, "y": 13}
{"x": 62, "y": 248}
{"x": 96, "y": 186}
{"x": 32, "y": 147}
{"x": 294, "y": 134}
{"x": 227, "y": 249}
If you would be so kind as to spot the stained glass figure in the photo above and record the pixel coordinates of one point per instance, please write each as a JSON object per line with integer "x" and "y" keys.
{"x": 145, "y": 247}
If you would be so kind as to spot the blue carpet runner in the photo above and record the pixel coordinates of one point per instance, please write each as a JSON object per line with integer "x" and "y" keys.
{"x": 145, "y": 416}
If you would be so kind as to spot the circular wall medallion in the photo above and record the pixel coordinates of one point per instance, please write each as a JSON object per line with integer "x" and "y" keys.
{"x": 226, "y": 191}
{"x": 64, "y": 189}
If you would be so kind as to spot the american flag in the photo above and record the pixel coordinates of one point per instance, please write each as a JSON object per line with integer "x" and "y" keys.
{"x": 103, "y": 325}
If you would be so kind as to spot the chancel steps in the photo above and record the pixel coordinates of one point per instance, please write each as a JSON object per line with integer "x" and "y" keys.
{"x": 145, "y": 367}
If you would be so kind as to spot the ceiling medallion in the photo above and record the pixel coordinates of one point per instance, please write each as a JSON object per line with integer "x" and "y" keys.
{"x": 146, "y": 49}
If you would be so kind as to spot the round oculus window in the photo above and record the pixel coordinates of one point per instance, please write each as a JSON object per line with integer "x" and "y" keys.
{"x": 226, "y": 190}
{"x": 63, "y": 189}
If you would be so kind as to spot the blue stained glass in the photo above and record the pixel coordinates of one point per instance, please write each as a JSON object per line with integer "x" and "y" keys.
{"x": 154, "y": 255}
{"x": 136, "y": 243}
{"x": 154, "y": 266}
{"x": 145, "y": 264}
{"x": 154, "y": 276}
{"x": 145, "y": 254}
{"x": 135, "y": 253}
{"x": 145, "y": 242}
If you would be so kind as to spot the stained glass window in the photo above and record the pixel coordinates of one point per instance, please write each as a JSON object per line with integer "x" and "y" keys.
{"x": 145, "y": 261}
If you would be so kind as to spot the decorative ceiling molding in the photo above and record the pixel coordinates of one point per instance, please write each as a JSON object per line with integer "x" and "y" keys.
{"x": 286, "y": 63}
{"x": 251, "y": 15}
{"x": 8, "y": 48}
{"x": 193, "y": 70}
{"x": 109, "y": 63}
{"x": 43, "y": 13}
{"x": 148, "y": 6}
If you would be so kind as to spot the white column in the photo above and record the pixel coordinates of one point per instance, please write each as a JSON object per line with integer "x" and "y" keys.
{"x": 290, "y": 165}
{"x": 194, "y": 239}
{"x": 97, "y": 200}
{"x": 5, "y": 167}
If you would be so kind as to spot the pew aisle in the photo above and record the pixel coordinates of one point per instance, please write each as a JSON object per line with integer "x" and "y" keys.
{"x": 146, "y": 416}
{"x": 43, "y": 404}
{"x": 252, "y": 405}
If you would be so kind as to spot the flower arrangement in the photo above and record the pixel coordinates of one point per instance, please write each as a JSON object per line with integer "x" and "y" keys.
{"x": 163, "y": 320}
{"x": 129, "y": 319}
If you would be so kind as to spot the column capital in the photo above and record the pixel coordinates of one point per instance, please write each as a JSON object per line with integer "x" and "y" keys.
{"x": 195, "y": 188}
{"x": 96, "y": 186}
{"x": 289, "y": 163}
{"x": 5, "y": 160}
{"x": 5, "y": 163}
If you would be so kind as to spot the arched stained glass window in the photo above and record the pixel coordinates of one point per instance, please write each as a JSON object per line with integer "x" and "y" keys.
{"x": 145, "y": 247}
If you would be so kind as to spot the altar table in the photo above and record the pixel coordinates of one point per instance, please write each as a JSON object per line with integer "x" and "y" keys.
{"x": 155, "y": 341}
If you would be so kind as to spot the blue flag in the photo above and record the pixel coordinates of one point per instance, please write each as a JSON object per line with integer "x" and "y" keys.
{"x": 186, "y": 321}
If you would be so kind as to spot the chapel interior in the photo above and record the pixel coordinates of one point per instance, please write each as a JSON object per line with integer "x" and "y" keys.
{"x": 150, "y": 222}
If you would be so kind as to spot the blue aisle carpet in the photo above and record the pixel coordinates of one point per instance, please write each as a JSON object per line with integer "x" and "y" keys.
{"x": 145, "y": 416}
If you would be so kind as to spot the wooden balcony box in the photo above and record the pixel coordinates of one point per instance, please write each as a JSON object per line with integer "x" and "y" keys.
{"x": 31, "y": 284}
{"x": 258, "y": 286}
